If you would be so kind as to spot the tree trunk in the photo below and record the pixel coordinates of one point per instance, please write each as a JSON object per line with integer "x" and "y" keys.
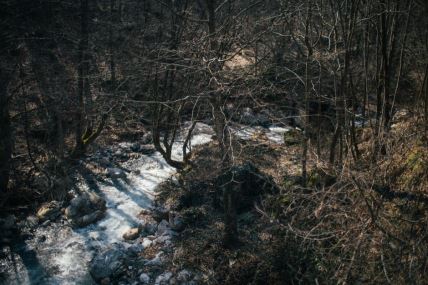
{"x": 5, "y": 131}
{"x": 220, "y": 127}
{"x": 230, "y": 237}
{"x": 82, "y": 74}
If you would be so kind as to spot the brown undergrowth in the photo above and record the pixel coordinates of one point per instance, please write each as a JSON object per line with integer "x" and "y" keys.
{"x": 364, "y": 223}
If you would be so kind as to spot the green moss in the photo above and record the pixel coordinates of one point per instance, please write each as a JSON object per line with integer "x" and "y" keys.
{"x": 415, "y": 168}
{"x": 292, "y": 137}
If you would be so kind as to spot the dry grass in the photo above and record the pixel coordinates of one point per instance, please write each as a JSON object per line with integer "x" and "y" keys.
{"x": 340, "y": 229}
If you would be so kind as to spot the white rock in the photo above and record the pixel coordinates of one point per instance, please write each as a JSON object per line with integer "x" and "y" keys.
{"x": 144, "y": 278}
{"x": 146, "y": 243}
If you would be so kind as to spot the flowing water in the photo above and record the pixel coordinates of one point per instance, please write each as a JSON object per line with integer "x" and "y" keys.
{"x": 58, "y": 254}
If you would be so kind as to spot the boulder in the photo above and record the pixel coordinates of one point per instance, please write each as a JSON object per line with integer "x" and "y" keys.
{"x": 49, "y": 211}
{"x": 110, "y": 263}
{"x": 85, "y": 209}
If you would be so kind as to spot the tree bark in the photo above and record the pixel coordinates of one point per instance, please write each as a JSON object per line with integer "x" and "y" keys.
{"x": 5, "y": 131}
{"x": 220, "y": 127}
{"x": 79, "y": 148}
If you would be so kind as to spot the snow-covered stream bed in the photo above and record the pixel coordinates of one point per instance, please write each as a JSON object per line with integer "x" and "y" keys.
{"x": 59, "y": 254}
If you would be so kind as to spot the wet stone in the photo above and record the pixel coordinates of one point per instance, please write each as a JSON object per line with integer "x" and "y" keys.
{"x": 132, "y": 234}
{"x": 85, "y": 209}
{"x": 109, "y": 263}
{"x": 144, "y": 278}
{"x": 49, "y": 211}
{"x": 147, "y": 242}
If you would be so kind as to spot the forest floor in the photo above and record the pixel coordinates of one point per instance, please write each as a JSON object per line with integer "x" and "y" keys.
{"x": 358, "y": 223}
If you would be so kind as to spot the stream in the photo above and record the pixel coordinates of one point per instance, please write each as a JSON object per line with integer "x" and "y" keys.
{"x": 56, "y": 253}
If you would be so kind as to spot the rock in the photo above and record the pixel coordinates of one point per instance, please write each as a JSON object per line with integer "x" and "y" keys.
{"x": 163, "y": 279}
{"x": 49, "y": 211}
{"x": 183, "y": 276}
{"x": 146, "y": 242}
{"x": 136, "y": 248}
{"x": 132, "y": 234}
{"x": 115, "y": 173}
{"x": 31, "y": 221}
{"x": 85, "y": 209}
{"x": 150, "y": 228}
{"x": 105, "y": 281}
{"x": 109, "y": 263}
{"x": 89, "y": 218}
{"x": 144, "y": 278}
{"x": 164, "y": 239}
{"x": 176, "y": 221}
{"x": 162, "y": 227}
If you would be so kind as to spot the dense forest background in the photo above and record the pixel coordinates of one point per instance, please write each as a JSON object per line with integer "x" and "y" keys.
{"x": 350, "y": 77}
